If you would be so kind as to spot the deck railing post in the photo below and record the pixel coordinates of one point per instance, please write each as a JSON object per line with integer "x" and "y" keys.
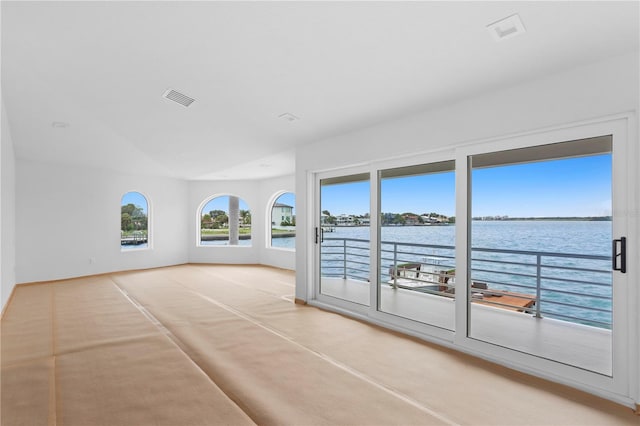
{"x": 344, "y": 266}
{"x": 395, "y": 265}
{"x": 538, "y": 283}
{"x": 519, "y": 269}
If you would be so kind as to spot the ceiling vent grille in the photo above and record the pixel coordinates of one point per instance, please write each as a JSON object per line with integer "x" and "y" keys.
{"x": 508, "y": 27}
{"x": 287, "y": 116}
{"x": 178, "y": 97}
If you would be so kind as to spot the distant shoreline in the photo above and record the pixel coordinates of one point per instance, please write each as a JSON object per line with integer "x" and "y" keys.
{"x": 551, "y": 218}
{"x": 493, "y": 219}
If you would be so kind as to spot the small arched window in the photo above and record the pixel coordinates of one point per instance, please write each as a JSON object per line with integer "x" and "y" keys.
{"x": 225, "y": 221}
{"x": 134, "y": 221}
{"x": 283, "y": 221}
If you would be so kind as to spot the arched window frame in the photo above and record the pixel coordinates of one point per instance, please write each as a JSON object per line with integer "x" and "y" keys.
{"x": 268, "y": 219}
{"x": 149, "y": 244}
{"x": 199, "y": 218}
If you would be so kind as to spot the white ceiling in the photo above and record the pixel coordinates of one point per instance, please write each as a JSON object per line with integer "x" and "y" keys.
{"x": 339, "y": 66}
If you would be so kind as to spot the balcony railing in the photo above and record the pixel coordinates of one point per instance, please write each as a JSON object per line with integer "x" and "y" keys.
{"x": 569, "y": 287}
{"x": 347, "y": 258}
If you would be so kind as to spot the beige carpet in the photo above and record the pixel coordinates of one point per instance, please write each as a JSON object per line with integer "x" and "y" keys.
{"x": 79, "y": 353}
{"x": 219, "y": 344}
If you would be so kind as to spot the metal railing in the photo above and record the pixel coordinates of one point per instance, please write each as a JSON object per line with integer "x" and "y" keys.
{"x": 345, "y": 258}
{"x": 133, "y": 239}
{"x": 400, "y": 258}
{"x": 569, "y": 287}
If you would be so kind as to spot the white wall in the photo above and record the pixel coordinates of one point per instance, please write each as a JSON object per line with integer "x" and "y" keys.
{"x": 69, "y": 215}
{"x": 257, "y": 195}
{"x": 7, "y": 211}
{"x": 69, "y": 222}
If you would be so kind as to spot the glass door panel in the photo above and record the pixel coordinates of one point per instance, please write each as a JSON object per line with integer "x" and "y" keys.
{"x": 417, "y": 243}
{"x": 344, "y": 238}
{"x": 541, "y": 230}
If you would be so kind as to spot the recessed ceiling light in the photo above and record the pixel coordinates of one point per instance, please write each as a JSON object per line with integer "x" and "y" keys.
{"x": 59, "y": 125}
{"x": 288, "y": 117}
{"x": 508, "y": 27}
{"x": 175, "y": 96}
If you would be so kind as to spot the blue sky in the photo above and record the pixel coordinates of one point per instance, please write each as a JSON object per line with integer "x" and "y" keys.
{"x": 137, "y": 199}
{"x": 348, "y": 198}
{"x": 419, "y": 194}
{"x": 289, "y": 199}
{"x": 222, "y": 203}
{"x": 568, "y": 187}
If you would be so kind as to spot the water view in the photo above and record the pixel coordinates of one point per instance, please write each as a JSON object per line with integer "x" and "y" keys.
{"x": 569, "y": 260}
{"x": 284, "y": 242}
{"x": 277, "y": 242}
{"x": 539, "y": 278}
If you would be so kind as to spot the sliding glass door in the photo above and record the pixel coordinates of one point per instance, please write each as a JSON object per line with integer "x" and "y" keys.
{"x": 541, "y": 233}
{"x": 417, "y": 243}
{"x": 343, "y": 238}
{"x": 515, "y": 250}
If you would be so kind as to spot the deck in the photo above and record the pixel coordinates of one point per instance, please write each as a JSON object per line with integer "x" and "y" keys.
{"x": 574, "y": 344}
{"x": 133, "y": 241}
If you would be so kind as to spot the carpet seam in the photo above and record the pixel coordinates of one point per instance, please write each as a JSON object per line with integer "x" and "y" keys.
{"x": 178, "y": 344}
{"x": 325, "y": 357}
{"x": 330, "y": 360}
{"x": 53, "y": 379}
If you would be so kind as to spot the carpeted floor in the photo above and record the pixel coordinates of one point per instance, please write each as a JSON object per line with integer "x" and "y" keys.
{"x": 219, "y": 344}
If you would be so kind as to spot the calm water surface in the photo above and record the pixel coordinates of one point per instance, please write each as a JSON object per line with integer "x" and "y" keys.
{"x": 588, "y": 292}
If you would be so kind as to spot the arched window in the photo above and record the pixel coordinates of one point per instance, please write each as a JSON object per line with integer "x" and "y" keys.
{"x": 134, "y": 221}
{"x": 225, "y": 221}
{"x": 283, "y": 222}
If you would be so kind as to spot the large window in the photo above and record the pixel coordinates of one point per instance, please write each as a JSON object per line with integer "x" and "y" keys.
{"x": 134, "y": 221}
{"x": 283, "y": 222}
{"x": 225, "y": 221}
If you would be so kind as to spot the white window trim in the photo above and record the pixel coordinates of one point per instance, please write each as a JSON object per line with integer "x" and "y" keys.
{"x": 268, "y": 219}
{"x": 149, "y": 224}
{"x": 199, "y": 218}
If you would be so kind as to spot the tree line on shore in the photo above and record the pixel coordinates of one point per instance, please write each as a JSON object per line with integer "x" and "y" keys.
{"x": 407, "y": 218}
{"x": 217, "y": 219}
{"x": 133, "y": 218}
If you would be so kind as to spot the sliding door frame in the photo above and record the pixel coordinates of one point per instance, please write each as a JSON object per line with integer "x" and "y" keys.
{"x": 408, "y": 326}
{"x": 328, "y": 301}
{"x": 624, "y": 386}
{"x": 618, "y": 384}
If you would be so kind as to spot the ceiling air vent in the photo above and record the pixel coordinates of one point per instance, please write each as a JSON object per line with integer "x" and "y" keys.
{"x": 508, "y": 27}
{"x": 287, "y": 116}
{"x": 178, "y": 97}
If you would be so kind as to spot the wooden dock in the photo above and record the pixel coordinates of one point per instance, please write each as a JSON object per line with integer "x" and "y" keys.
{"x": 133, "y": 240}
{"x": 520, "y": 302}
